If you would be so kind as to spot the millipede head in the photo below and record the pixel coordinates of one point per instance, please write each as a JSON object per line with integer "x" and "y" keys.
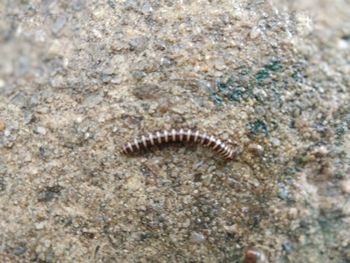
{"x": 233, "y": 151}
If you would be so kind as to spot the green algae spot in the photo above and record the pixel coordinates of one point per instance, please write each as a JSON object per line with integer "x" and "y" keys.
{"x": 236, "y": 95}
{"x": 224, "y": 86}
{"x": 216, "y": 98}
{"x": 264, "y": 73}
{"x": 258, "y": 127}
{"x": 274, "y": 65}
{"x": 230, "y": 90}
{"x": 261, "y": 75}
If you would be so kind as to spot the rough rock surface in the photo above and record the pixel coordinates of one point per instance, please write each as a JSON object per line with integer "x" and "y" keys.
{"x": 78, "y": 78}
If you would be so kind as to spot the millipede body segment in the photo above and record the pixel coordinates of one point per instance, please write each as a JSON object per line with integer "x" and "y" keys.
{"x": 179, "y": 135}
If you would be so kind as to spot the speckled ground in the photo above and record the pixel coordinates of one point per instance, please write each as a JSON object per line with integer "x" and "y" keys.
{"x": 78, "y": 78}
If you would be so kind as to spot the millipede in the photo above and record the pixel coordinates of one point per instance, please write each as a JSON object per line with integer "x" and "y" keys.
{"x": 226, "y": 150}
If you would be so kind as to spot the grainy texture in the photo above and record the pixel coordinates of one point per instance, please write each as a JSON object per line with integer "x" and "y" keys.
{"x": 78, "y": 77}
{"x": 181, "y": 136}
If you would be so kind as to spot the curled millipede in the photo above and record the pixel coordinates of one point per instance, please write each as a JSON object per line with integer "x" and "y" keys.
{"x": 181, "y": 135}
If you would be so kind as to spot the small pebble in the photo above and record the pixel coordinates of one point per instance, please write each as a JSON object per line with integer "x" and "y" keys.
{"x": 254, "y": 33}
{"x": 40, "y": 130}
{"x": 2, "y": 125}
{"x": 231, "y": 229}
{"x": 197, "y": 237}
{"x": 93, "y": 99}
{"x": 252, "y": 255}
{"x": 345, "y": 186}
{"x": 186, "y": 223}
{"x": 287, "y": 247}
{"x": 20, "y": 249}
{"x": 283, "y": 192}
{"x": 320, "y": 151}
{"x": 20, "y": 99}
{"x": 7, "y": 133}
{"x": 28, "y": 117}
{"x": 256, "y": 149}
{"x": 58, "y": 24}
{"x": 131, "y": 4}
{"x": 40, "y": 225}
{"x": 165, "y": 61}
{"x": 138, "y": 43}
{"x": 293, "y": 213}
{"x": 275, "y": 142}
{"x": 146, "y": 8}
{"x": 146, "y": 91}
{"x": 138, "y": 74}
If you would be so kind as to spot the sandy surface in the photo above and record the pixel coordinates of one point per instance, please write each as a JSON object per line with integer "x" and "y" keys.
{"x": 79, "y": 78}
